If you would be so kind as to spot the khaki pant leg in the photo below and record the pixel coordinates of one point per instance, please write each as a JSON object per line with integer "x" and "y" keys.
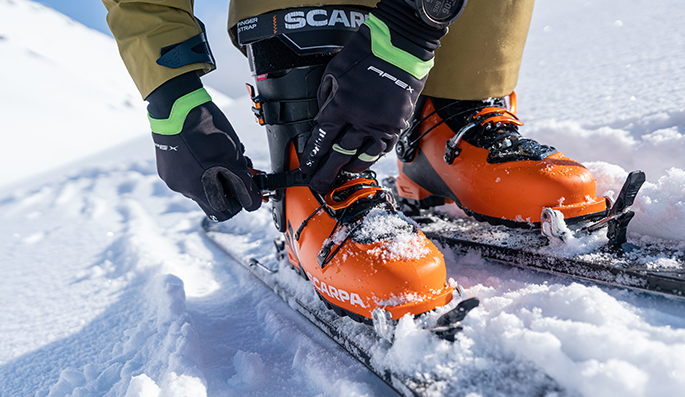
{"x": 479, "y": 58}
{"x": 481, "y": 55}
{"x": 142, "y": 28}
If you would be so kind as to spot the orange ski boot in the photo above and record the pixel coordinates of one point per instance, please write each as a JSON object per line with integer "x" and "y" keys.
{"x": 471, "y": 153}
{"x": 361, "y": 254}
{"x": 357, "y": 251}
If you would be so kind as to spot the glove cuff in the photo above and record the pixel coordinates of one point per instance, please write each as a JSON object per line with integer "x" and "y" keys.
{"x": 170, "y": 104}
{"x": 162, "y": 99}
{"x": 409, "y": 32}
{"x": 384, "y": 48}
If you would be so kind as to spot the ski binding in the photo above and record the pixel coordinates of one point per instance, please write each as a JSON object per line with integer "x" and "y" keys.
{"x": 583, "y": 252}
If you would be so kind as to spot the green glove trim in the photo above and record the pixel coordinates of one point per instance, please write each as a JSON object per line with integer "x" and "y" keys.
{"x": 179, "y": 111}
{"x": 341, "y": 150}
{"x": 368, "y": 158}
{"x": 382, "y": 47}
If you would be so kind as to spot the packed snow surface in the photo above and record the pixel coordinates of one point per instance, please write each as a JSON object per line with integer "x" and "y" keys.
{"x": 109, "y": 288}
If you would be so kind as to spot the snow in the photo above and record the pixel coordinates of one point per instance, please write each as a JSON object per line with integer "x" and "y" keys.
{"x": 109, "y": 288}
{"x": 77, "y": 97}
{"x": 401, "y": 242}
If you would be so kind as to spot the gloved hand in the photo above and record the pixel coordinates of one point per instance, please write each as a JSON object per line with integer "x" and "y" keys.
{"x": 198, "y": 153}
{"x": 368, "y": 92}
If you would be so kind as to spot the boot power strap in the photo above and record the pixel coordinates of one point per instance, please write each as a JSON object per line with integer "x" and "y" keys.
{"x": 282, "y": 180}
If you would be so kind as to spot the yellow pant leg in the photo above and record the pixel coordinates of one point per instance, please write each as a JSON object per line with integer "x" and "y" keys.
{"x": 479, "y": 58}
{"x": 481, "y": 55}
{"x": 142, "y": 28}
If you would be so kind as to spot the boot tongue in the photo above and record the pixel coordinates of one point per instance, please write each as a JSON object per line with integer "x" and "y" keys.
{"x": 505, "y": 144}
{"x": 518, "y": 149}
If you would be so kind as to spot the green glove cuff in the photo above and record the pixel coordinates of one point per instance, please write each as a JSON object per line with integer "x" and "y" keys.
{"x": 382, "y": 47}
{"x": 179, "y": 111}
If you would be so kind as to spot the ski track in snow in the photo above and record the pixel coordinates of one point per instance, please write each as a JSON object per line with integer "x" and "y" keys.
{"x": 108, "y": 287}
{"x": 135, "y": 301}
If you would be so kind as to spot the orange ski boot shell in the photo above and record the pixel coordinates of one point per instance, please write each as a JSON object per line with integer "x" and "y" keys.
{"x": 513, "y": 193}
{"x": 379, "y": 260}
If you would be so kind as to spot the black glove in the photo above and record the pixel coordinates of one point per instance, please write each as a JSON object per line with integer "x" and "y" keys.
{"x": 368, "y": 92}
{"x": 198, "y": 153}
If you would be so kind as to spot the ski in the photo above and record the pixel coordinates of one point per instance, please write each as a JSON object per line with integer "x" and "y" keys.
{"x": 605, "y": 266}
{"x": 599, "y": 252}
{"x": 364, "y": 342}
